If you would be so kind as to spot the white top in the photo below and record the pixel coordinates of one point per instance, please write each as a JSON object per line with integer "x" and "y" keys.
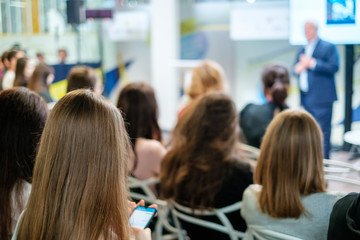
{"x": 16, "y": 210}
{"x": 310, "y": 227}
{"x": 150, "y": 154}
{"x": 8, "y": 80}
{"x": 303, "y": 79}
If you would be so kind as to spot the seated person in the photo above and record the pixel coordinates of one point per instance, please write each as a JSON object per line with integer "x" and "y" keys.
{"x": 345, "y": 218}
{"x": 82, "y": 77}
{"x": 206, "y": 78}
{"x": 22, "y": 118}
{"x": 200, "y": 170}
{"x": 41, "y": 80}
{"x": 289, "y": 196}
{"x": 138, "y": 106}
{"x": 9, "y": 77}
{"x": 254, "y": 119}
{"x": 24, "y": 70}
{"x": 79, "y": 188}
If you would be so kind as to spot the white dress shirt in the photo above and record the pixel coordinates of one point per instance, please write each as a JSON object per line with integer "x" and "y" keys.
{"x": 303, "y": 79}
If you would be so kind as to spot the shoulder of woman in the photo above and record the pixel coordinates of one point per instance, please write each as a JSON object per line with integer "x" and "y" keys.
{"x": 324, "y": 197}
{"x": 151, "y": 146}
{"x": 247, "y": 108}
{"x": 249, "y": 200}
{"x": 253, "y": 189}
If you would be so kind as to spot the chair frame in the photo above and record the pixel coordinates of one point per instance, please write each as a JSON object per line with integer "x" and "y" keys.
{"x": 186, "y": 214}
{"x": 333, "y": 167}
{"x": 260, "y": 234}
{"x": 162, "y": 211}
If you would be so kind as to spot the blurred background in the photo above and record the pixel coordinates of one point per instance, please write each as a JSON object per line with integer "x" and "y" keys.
{"x": 160, "y": 41}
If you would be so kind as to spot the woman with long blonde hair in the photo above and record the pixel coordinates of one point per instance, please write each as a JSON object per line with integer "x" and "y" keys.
{"x": 208, "y": 77}
{"x": 289, "y": 196}
{"x": 79, "y": 186}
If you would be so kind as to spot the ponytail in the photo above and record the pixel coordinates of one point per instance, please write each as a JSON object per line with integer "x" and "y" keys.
{"x": 275, "y": 78}
{"x": 279, "y": 93}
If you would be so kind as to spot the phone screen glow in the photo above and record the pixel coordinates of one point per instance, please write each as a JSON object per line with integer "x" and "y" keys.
{"x": 141, "y": 217}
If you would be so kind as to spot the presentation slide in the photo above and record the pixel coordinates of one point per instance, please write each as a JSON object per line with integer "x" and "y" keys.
{"x": 260, "y": 21}
{"x": 338, "y": 20}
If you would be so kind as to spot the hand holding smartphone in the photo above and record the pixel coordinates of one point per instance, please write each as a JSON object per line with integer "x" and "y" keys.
{"x": 142, "y": 216}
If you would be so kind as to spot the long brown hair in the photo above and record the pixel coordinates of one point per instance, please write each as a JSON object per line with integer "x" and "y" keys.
{"x": 208, "y": 77}
{"x": 22, "y": 118}
{"x": 20, "y": 79}
{"x": 203, "y": 143}
{"x": 139, "y": 109}
{"x": 79, "y": 188}
{"x": 290, "y": 164}
{"x": 38, "y": 81}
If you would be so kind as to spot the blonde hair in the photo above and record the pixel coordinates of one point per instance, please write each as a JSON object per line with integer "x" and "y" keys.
{"x": 290, "y": 164}
{"x": 79, "y": 186}
{"x": 208, "y": 77}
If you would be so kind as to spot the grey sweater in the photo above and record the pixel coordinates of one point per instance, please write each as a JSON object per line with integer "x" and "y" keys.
{"x": 315, "y": 226}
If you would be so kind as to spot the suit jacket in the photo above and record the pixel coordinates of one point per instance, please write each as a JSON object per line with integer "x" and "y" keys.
{"x": 321, "y": 79}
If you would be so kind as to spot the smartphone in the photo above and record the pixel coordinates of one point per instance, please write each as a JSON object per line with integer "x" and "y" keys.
{"x": 142, "y": 216}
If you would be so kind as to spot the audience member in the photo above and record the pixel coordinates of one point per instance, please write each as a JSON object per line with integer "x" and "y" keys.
{"x": 138, "y": 106}
{"x": 41, "y": 80}
{"x": 4, "y": 60}
{"x": 82, "y": 77}
{"x": 62, "y": 55}
{"x": 254, "y": 119}
{"x": 345, "y": 218}
{"x": 22, "y": 117}
{"x": 24, "y": 70}
{"x": 206, "y": 78}
{"x": 200, "y": 170}
{"x": 79, "y": 188}
{"x": 9, "y": 76}
{"x": 291, "y": 196}
{"x": 40, "y": 58}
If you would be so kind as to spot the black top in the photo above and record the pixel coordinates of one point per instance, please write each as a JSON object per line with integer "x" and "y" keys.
{"x": 254, "y": 120}
{"x": 239, "y": 178}
{"x": 345, "y": 218}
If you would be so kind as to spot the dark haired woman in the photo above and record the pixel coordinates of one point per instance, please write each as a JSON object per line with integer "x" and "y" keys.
{"x": 201, "y": 171}
{"x": 22, "y": 117}
{"x": 24, "y": 70}
{"x": 41, "y": 80}
{"x": 138, "y": 105}
{"x": 255, "y": 118}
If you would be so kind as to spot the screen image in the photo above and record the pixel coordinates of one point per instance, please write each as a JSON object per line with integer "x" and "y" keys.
{"x": 141, "y": 217}
{"x": 338, "y": 20}
{"x": 340, "y": 12}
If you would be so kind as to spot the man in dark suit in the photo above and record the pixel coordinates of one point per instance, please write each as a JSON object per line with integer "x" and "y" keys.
{"x": 316, "y": 65}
